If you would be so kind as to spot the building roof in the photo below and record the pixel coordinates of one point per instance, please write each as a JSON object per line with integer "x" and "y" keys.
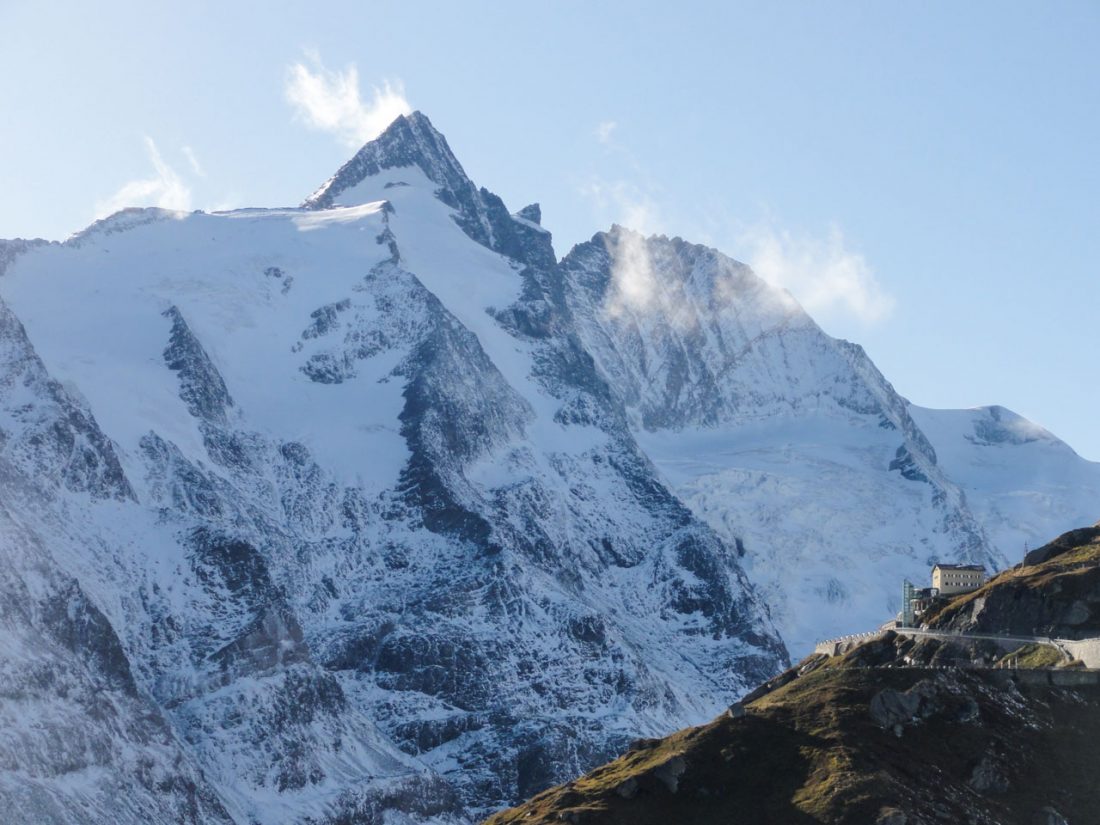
{"x": 980, "y": 567}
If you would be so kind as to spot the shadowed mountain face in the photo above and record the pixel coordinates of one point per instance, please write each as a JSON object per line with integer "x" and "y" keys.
{"x": 896, "y": 731}
{"x": 374, "y": 510}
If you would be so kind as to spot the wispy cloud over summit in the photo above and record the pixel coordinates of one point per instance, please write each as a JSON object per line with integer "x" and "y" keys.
{"x": 330, "y": 101}
{"x": 196, "y": 167}
{"x": 165, "y": 188}
{"x": 826, "y": 277}
{"x": 605, "y": 131}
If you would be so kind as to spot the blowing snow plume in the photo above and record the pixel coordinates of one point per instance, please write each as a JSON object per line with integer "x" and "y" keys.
{"x": 826, "y": 277}
{"x": 329, "y": 101}
{"x": 165, "y": 188}
{"x": 634, "y": 284}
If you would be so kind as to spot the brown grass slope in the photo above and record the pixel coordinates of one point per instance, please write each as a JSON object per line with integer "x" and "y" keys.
{"x": 1054, "y": 592}
{"x": 867, "y": 738}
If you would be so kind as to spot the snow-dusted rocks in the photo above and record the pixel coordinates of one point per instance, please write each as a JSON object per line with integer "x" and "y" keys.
{"x": 788, "y": 442}
{"x": 373, "y": 508}
{"x": 377, "y": 534}
{"x": 796, "y": 449}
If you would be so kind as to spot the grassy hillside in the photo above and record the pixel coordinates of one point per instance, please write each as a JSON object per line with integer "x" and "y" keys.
{"x": 1054, "y": 592}
{"x": 891, "y": 733}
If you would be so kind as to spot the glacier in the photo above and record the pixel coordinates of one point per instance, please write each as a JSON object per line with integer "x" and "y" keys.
{"x": 375, "y": 510}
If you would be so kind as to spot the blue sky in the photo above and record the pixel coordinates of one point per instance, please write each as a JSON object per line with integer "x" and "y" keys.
{"x": 924, "y": 177}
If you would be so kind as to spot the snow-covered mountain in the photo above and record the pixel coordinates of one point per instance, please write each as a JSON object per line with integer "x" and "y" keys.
{"x": 796, "y": 449}
{"x": 1023, "y": 483}
{"x": 373, "y": 509}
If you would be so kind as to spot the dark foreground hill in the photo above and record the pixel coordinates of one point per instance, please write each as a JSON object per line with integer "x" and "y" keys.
{"x": 896, "y": 731}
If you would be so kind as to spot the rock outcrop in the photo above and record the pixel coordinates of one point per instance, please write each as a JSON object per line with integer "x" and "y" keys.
{"x": 1055, "y": 592}
{"x": 878, "y": 735}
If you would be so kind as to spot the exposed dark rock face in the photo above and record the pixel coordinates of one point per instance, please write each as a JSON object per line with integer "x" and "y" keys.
{"x": 444, "y": 430}
{"x": 532, "y": 212}
{"x": 903, "y": 462}
{"x": 201, "y": 386}
{"x": 1055, "y": 592}
{"x": 894, "y": 710}
{"x": 48, "y": 431}
{"x": 930, "y": 698}
{"x": 409, "y": 141}
{"x": 996, "y": 428}
{"x": 1049, "y": 816}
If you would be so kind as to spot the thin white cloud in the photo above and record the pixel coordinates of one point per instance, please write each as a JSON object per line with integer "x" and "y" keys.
{"x": 605, "y": 131}
{"x": 826, "y": 277}
{"x": 165, "y": 188}
{"x": 196, "y": 167}
{"x": 624, "y": 203}
{"x": 831, "y": 281}
{"x": 329, "y": 100}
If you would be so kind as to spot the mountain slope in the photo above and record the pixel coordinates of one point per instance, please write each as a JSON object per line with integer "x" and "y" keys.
{"x": 786, "y": 441}
{"x": 794, "y": 447}
{"x": 885, "y": 733}
{"x": 81, "y": 742}
{"x": 1022, "y": 483}
{"x": 391, "y": 515}
{"x": 382, "y": 539}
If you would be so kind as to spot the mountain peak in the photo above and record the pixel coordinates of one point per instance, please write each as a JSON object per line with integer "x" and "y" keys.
{"x": 410, "y": 141}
